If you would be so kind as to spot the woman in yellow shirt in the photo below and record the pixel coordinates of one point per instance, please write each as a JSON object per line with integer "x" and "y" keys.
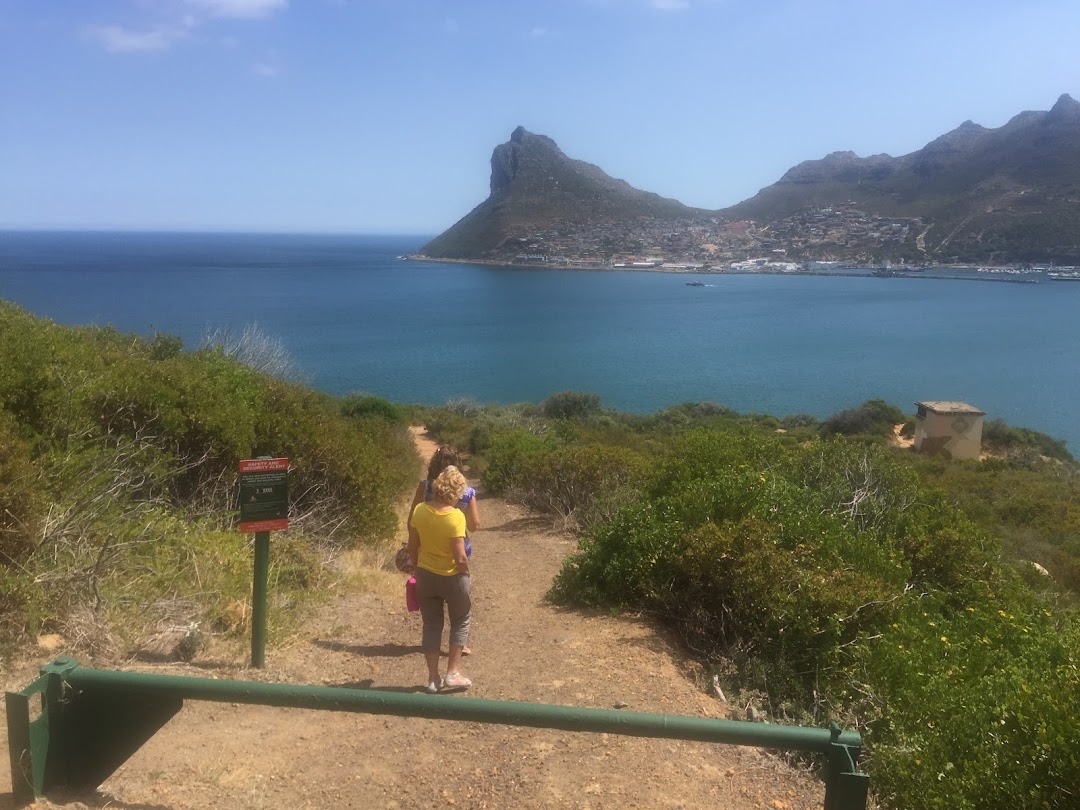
{"x": 437, "y": 553}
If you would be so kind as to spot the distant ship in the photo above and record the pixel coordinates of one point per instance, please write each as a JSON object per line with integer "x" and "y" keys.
{"x": 1070, "y": 276}
{"x": 695, "y": 284}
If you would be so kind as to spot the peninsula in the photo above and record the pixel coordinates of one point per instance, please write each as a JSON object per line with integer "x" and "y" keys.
{"x": 1004, "y": 196}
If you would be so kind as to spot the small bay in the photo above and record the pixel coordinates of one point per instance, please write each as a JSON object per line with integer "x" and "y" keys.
{"x": 356, "y": 318}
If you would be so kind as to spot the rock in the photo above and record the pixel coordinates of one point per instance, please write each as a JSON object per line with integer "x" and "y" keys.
{"x": 753, "y": 715}
{"x": 618, "y": 704}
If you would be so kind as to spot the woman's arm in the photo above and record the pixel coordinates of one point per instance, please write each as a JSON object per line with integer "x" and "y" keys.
{"x": 414, "y": 544}
{"x": 472, "y": 515}
{"x": 418, "y": 497}
{"x": 457, "y": 548}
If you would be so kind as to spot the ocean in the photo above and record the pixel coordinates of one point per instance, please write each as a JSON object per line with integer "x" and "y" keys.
{"x": 357, "y": 319}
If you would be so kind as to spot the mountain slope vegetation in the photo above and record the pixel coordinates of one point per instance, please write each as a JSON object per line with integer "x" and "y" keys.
{"x": 118, "y": 476}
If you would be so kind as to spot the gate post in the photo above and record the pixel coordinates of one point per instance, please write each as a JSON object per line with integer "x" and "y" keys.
{"x": 845, "y": 787}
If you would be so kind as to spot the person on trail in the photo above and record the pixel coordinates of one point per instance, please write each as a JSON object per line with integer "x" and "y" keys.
{"x": 447, "y": 456}
{"x": 437, "y": 555}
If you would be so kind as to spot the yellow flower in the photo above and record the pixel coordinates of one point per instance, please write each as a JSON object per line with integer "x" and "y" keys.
{"x": 945, "y": 639}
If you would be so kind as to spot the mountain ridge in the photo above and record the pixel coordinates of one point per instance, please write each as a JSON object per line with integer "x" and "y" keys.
{"x": 1004, "y": 194}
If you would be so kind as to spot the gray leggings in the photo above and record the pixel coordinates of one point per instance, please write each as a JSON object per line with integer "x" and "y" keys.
{"x": 432, "y": 590}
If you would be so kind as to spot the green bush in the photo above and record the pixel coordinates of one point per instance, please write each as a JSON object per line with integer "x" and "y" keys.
{"x": 511, "y": 458}
{"x": 360, "y": 406}
{"x": 571, "y": 405}
{"x": 998, "y": 437}
{"x": 798, "y": 420}
{"x": 975, "y": 707}
{"x": 830, "y": 577}
{"x": 112, "y": 445}
{"x": 582, "y": 486}
{"x": 874, "y": 417}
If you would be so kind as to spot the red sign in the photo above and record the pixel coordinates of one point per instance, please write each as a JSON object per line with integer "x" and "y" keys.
{"x": 256, "y": 465}
{"x": 279, "y": 525}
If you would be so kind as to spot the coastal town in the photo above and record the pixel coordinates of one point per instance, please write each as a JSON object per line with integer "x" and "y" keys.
{"x": 819, "y": 241}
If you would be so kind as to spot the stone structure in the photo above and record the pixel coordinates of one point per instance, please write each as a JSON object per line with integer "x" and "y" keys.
{"x": 949, "y": 429}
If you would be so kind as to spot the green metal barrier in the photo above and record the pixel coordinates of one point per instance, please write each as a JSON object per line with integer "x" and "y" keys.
{"x": 91, "y": 721}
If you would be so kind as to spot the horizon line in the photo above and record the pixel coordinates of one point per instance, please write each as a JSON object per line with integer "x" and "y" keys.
{"x": 5, "y": 228}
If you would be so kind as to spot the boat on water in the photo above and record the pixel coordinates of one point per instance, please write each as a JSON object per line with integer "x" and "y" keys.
{"x": 1071, "y": 276}
{"x": 695, "y": 284}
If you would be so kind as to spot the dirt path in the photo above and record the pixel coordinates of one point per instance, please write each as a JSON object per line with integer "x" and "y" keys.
{"x": 234, "y": 756}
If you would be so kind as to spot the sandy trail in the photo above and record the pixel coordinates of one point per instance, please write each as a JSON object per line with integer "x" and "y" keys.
{"x": 214, "y": 755}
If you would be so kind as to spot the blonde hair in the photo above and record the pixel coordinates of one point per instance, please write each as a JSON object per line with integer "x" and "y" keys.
{"x": 450, "y": 486}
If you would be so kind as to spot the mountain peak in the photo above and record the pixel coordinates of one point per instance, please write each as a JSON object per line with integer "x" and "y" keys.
{"x": 1065, "y": 108}
{"x": 534, "y": 185}
{"x": 525, "y": 152}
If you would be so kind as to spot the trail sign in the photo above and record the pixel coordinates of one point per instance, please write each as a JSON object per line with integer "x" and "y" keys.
{"x": 264, "y": 494}
{"x": 264, "y": 507}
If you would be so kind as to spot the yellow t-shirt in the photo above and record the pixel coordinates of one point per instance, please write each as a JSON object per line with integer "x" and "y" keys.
{"x": 437, "y": 530}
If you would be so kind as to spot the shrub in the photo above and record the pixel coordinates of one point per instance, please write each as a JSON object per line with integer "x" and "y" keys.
{"x": 362, "y": 406}
{"x": 511, "y": 459}
{"x": 973, "y": 707}
{"x": 874, "y": 417}
{"x": 1001, "y": 438}
{"x": 829, "y": 576}
{"x": 115, "y": 451}
{"x": 571, "y": 405}
{"x": 582, "y": 486}
{"x": 254, "y": 348}
{"x": 798, "y": 420}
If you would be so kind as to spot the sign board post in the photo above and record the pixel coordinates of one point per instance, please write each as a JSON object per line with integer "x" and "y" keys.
{"x": 264, "y": 507}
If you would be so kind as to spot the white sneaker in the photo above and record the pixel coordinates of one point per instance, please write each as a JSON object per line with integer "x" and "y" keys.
{"x": 432, "y": 687}
{"x": 455, "y": 680}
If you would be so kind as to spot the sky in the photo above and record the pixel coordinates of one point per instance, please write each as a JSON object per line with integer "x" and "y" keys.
{"x": 379, "y": 116}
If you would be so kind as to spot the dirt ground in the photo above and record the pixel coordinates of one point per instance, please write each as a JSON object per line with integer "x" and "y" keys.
{"x": 221, "y": 755}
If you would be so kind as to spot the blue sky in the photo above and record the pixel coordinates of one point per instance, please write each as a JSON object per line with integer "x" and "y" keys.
{"x": 380, "y": 116}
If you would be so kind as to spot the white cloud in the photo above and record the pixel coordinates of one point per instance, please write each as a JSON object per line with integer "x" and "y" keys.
{"x": 265, "y": 70}
{"x": 160, "y": 37}
{"x": 670, "y": 5}
{"x": 117, "y": 39}
{"x": 538, "y": 32}
{"x": 247, "y": 9}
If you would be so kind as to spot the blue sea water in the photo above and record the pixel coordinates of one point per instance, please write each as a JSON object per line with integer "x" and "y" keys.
{"x": 357, "y": 319}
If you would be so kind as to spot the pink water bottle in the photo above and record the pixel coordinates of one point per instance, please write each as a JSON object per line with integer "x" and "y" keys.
{"x": 411, "y": 602}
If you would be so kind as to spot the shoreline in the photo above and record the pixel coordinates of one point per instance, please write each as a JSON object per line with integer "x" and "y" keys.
{"x": 1032, "y": 277}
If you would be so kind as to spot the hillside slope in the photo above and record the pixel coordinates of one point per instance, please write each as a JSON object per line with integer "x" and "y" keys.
{"x": 1011, "y": 192}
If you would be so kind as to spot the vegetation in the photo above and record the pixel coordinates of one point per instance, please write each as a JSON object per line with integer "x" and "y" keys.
{"x": 118, "y": 460}
{"x": 825, "y": 574}
{"x": 873, "y": 418}
{"x": 814, "y": 568}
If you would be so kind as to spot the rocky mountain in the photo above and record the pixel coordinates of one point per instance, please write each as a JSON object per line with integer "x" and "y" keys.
{"x": 539, "y": 196}
{"x": 974, "y": 194}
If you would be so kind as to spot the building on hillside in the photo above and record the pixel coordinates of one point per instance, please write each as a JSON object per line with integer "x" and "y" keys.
{"x": 949, "y": 429}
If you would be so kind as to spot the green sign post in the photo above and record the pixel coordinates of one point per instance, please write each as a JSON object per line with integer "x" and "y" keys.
{"x": 264, "y": 507}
